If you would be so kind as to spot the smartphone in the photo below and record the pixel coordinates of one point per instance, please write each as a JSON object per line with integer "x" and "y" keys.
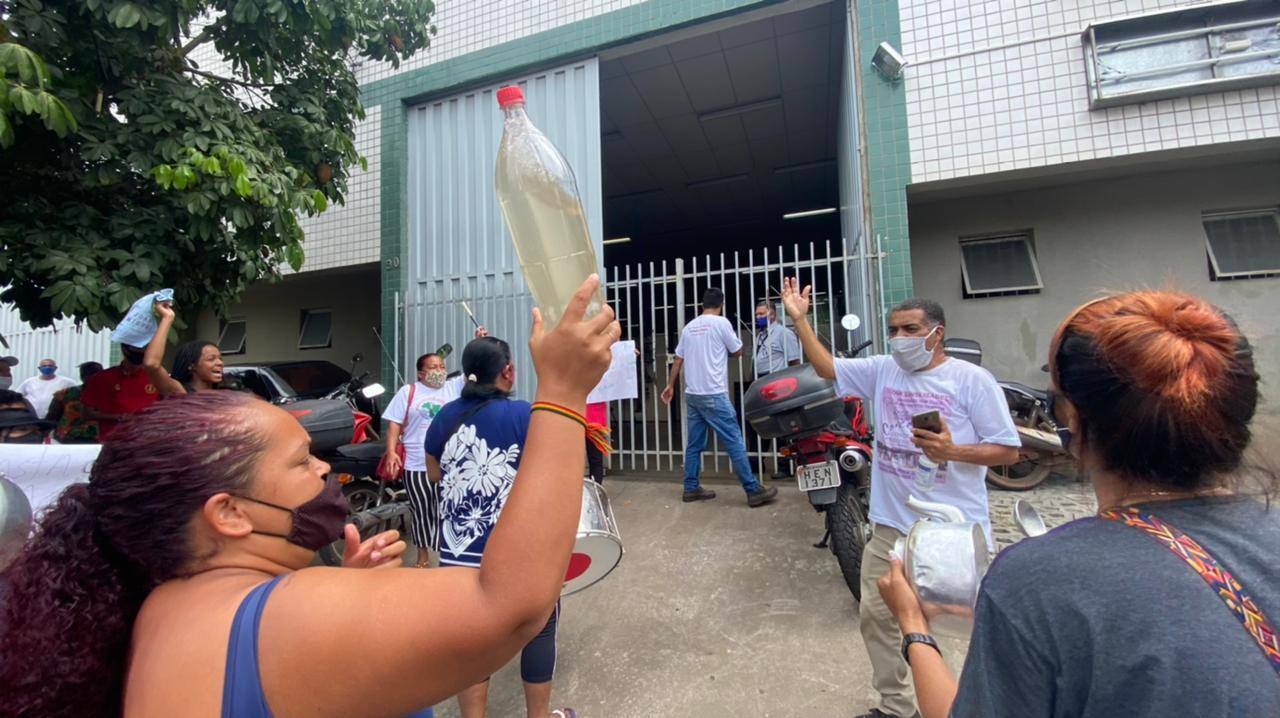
{"x": 928, "y": 420}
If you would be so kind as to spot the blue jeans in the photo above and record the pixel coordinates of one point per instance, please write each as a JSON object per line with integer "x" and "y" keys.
{"x": 715, "y": 411}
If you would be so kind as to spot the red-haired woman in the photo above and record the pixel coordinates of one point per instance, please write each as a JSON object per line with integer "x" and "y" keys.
{"x": 176, "y": 582}
{"x": 1166, "y": 603}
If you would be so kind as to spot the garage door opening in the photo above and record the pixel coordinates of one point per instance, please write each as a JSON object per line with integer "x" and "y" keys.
{"x": 709, "y": 141}
{"x": 721, "y": 159}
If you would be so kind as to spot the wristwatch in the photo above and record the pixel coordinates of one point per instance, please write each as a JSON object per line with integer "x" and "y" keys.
{"x": 924, "y": 638}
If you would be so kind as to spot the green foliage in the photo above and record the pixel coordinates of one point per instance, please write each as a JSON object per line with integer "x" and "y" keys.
{"x": 126, "y": 165}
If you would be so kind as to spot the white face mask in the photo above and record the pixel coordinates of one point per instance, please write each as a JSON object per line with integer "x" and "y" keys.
{"x": 910, "y": 352}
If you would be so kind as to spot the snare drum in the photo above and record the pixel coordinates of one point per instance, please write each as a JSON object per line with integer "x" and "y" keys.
{"x": 599, "y": 546}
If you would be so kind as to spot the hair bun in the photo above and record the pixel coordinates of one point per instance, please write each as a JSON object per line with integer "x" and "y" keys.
{"x": 1171, "y": 344}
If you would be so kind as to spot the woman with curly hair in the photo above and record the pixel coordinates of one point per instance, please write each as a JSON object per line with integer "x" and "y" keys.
{"x": 177, "y": 581}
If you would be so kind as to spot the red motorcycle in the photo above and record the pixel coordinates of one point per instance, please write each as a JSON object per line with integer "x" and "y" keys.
{"x": 829, "y": 440}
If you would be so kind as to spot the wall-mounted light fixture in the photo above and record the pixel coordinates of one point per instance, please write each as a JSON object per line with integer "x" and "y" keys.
{"x": 617, "y": 240}
{"x": 888, "y": 61}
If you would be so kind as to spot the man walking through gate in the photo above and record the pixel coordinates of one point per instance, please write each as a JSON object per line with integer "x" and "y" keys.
{"x": 975, "y": 431}
{"x": 706, "y": 343}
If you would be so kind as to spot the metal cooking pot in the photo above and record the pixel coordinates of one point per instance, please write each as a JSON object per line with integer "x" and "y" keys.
{"x": 944, "y": 558}
{"x": 15, "y": 521}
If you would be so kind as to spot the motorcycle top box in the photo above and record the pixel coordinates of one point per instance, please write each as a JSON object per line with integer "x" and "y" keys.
{"x": 329, "y": 422}
{"x": 792, "y": 401}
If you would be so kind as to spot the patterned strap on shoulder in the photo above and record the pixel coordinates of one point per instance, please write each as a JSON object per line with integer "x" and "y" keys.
{"x": 1219, "y": 579}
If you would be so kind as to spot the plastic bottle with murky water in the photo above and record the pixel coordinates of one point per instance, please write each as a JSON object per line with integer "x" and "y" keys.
{"x": 540, "y": 202}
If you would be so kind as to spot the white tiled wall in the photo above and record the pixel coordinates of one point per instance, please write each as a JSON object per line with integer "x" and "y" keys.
{"x": 997, "y": 85}
{"x": 349, "y": 234}
{"x": 466, "y": 26}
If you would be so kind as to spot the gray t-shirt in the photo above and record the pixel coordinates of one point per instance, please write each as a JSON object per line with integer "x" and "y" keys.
{"x": 1099, "y": 619}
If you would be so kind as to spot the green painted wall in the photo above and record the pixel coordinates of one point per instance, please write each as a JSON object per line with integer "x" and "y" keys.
{"x": 884, "y": 117}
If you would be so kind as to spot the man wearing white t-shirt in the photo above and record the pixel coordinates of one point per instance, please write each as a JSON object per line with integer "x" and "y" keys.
{"x": 977, "y": 432}
{"x": 706, "y": 343}
{"x": 39, "y": 389}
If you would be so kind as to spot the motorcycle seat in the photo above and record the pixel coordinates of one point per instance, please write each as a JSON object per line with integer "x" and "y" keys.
{"x": 368, "y": 450}
{"x": 1037, "y": 394}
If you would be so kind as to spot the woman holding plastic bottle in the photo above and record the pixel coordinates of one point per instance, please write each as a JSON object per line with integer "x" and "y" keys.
{"x": 177, "y": 581}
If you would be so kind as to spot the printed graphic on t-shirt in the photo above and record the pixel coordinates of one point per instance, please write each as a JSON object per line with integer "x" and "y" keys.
{"x": 477, "y": 480}
{"x": 896, "y": 455}
{"x": 429, "y": 409}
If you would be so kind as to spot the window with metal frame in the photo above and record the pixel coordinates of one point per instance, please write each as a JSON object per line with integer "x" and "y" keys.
{"x": 232, "y": 338}
{"x": 1000, "y": 264}
{"x": 1194, "y": 50}
{"x": 317, "y": 329}
{"x": 1243, "y": 244}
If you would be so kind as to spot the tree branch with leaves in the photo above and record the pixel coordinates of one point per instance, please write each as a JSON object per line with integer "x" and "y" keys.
{"x": 147, "y": 144}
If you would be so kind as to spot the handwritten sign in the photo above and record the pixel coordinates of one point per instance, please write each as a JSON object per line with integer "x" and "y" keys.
{"x": 43, "y": 471}
{"x": 619, "y": 381}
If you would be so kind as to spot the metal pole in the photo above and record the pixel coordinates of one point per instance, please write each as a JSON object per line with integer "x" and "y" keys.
{"x": 684, "y": 411}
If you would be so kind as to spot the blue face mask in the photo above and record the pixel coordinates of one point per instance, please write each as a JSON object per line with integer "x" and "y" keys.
{"x": 762, "y": 322}
{"x": 48, "y": 370}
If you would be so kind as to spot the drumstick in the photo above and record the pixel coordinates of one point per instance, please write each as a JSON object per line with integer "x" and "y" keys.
{"x": 467, "y": 309}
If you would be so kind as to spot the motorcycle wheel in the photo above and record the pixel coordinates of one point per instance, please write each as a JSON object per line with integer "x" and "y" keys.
{"x": 362, "y": 494}
{"x": 1022, "y": 476}
{"x": 847, "y": 521}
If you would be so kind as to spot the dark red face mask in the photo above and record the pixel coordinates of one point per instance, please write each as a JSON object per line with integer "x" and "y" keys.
{"x": 316, "y": 522}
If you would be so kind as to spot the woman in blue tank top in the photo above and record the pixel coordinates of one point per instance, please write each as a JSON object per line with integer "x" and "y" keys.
{"x": 177, "y": 582}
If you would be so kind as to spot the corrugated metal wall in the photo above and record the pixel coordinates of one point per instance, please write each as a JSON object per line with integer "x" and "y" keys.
{"x": 63, "y": 343}
{"x": 459, "y": 249}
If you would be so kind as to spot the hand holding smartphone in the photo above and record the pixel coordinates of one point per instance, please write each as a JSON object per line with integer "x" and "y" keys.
{"x": 928, "y": 420}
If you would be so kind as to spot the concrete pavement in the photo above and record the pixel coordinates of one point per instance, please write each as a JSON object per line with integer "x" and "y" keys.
{"x": 720, "y": 611}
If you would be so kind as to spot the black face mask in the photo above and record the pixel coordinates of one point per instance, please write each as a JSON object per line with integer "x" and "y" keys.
{"x": 316, "y": 523}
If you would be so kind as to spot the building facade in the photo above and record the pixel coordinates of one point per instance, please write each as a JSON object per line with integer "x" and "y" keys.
{"x": 1062, "y": 150}
{"x": 1026, "y": 157}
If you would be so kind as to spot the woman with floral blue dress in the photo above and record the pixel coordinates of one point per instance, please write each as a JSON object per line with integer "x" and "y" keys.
{"x": 473, "y": 449}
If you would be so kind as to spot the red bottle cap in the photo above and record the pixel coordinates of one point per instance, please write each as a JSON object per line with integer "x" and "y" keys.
{"x": 509, "y": 95}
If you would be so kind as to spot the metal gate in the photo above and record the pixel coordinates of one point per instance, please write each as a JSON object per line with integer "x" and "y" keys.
{"x": 654, "y": 301}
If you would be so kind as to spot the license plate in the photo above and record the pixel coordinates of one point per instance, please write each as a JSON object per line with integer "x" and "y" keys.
{"x": 818, "y": 476}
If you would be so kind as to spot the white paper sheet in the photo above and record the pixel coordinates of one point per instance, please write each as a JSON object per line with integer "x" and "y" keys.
{"x": 43, "y": 471}
{"x": 619, "y": 381}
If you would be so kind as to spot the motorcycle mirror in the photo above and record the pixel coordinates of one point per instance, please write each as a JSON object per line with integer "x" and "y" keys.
{"x": 1028, "y": 519}
{"x": 372, "y": 390}
{"x": 850, "y": 322}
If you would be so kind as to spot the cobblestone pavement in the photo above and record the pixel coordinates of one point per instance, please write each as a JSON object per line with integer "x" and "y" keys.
{"x": 1058, "y": 500}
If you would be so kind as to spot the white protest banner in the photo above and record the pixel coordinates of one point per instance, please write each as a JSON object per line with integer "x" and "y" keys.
{"x": 619, "y": 381}
{"x": 42, "y": 471}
